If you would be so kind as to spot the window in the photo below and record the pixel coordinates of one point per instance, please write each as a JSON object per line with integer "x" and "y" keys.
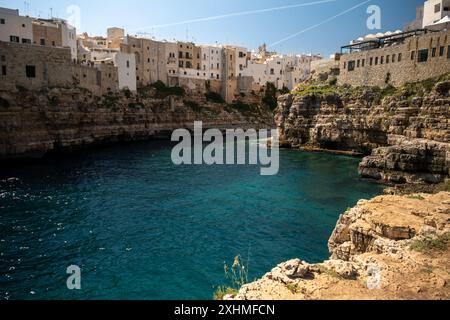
{"x": 23, "y": 26}
{"x": 448, "y": 52}
{"x": 441, "y": 51}
{"x": 2, "y": 21}
{"x": 128, "y": 63}
{"x": 371, "y": 61}
{"x": 399, "y": 57}
{"x": 413, "y": 55}
{"x": 357, "y": 63}
{"x": 423, "y": 55}
{"x": 437, "y": 8}
{"x": 433, "y": 52}
{"x": 180, "y": 55}
{"x": 388, "y": 59}
{"x": 381, "y": 60}
{"x": 53, "y": 43}
{"x": 393, "y": 57}
{"x": 363, "y": 63}
{"x": 14, "y": 39}
{"x": 345, "y": 65}
{"x": 241, "y": 55}
{"x": 27, "y": 41}
{"x": 3, "y": 70}
{"x": 30, "y": 71}
{"x": 42, "y": 42}
{"x": 351, "y": 65}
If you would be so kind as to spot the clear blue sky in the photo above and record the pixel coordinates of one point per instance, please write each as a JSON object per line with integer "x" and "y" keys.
{"x": 248, "y": 30}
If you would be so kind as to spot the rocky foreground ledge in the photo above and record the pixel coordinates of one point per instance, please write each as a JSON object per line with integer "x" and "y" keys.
{"x": 391, "y": 247}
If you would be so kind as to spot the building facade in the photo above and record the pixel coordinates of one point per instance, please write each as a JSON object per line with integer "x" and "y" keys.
{"x": 409, "y": 59}
{"x": 15, "y": 28}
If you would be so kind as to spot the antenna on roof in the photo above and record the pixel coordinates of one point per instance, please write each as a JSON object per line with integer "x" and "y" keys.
{"x": 26, "y": 7}
{"x": 51, "y": 13}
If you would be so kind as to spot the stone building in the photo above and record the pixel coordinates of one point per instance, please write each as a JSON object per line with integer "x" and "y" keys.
{"x": 396, "y": 60}
{"x": 55, "y": 33}
{"x": 40, "y": 67}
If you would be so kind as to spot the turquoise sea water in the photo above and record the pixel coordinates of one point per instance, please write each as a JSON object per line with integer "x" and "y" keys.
{"x": 141, "y": 228}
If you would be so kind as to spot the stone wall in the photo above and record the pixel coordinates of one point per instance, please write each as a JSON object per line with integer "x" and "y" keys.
{"x": 46, "y": 66}
{"x": 39, "y": 67}
{"x": 398, "y": 64}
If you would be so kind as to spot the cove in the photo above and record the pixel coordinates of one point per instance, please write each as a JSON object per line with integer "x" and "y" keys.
{"x": 140, "y": 227}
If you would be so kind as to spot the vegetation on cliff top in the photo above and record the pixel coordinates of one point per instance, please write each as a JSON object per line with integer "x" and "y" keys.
{"x": 237, "y": 276}
{"x": 405, "y": 92}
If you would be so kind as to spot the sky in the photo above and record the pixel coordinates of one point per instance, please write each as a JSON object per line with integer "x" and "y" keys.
{"x": 287, "y": 26}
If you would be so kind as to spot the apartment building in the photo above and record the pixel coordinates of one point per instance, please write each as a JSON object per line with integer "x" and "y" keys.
{"x": 14, "y": 27}
{"x": 284, "y": 71}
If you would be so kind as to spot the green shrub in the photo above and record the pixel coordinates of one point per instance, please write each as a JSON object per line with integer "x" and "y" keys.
{"x": 193, "y": 105}
{"x": 270, "y": 96}
{"x": 214, "y": 97}
{"x": 429, "y": 245}
{"x": 237, "y": 275}
{"x": 163, "y": 91}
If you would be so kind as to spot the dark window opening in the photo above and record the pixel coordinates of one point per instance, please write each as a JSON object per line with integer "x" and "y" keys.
{"x": 423, "y": 55}
{"x": 42, "y": 42}
{"x": 448, "y": 52}
{"x": 26, "y": 41}
{"x": 351, "y": 65}
{"x": 363, "y": 63}
{"x": 388, "y": 59}
{"x": 381, "y": 60}
{"x": 30, "y": 71}
{"x": 399, "y": 57}
{"x": 371, "y": 61}
{"x": 433, "y": 52}
{"x": 393, "y": 57}
{"x": 376, "y": 60}
{"x": 413, "y": 55}
{"x": 3, "y": 70}
{"x": 2, "y": 21}
{"x": 441, "y": 51}
{"x": 357, "y": 63}
{"x": 14, "y": 39}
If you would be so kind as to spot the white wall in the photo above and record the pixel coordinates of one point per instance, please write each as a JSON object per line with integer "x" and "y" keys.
{"x": 15, "y": 25}
{"x": 430, "y": 16}
{"x": 69, "y": 38}
{"x": 212, "y": 62}
{"x": 126, "y": 65}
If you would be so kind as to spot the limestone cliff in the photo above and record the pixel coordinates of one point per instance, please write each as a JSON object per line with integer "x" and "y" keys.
{"x": 35, "y": 123}
{"x": 392, "y": 247}
{"x": 407, "y": 129}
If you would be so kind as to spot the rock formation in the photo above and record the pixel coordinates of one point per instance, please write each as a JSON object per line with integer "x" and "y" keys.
{"x": 35, "y": 123}
{"x": 408, "y": 132}
{"x": 392, "y": 247}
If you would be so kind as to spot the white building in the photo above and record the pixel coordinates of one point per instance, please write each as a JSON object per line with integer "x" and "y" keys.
{"x": 212, "y": 62}
{"x": 434, "y": 11}
{"x": 15, "y": 28}
{"x": 284, "y": 71}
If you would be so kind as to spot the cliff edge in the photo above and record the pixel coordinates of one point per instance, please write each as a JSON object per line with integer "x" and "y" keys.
{"x": 391, "y": 247}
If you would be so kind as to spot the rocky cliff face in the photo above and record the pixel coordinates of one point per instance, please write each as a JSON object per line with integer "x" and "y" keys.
{"x": 408, "y": 132}
{"x": 392, "y": 247}
{"x": 35, "y": 123}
